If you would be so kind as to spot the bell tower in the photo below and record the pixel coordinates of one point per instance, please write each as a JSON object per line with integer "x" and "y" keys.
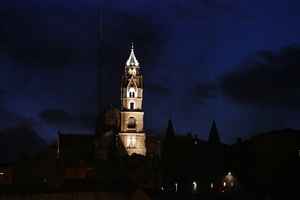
{"x": 132, "y": 117}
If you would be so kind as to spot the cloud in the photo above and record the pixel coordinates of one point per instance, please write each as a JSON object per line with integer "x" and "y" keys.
{"x": 86, "y": 119}
{"x": 145, "y": 31}
{"x": 56, "y": 116}
{"x": 4, "y": 114}
{"x": 157, "y": 90}
{"x": 2, "y": 95}
{"x": 62, "y": 118}
{"x": 184, "y": 12}
{"x": 198, "y": 91}
{"x": 202, "y": 90}
{"x": 41, "y": 34}
{"x": 2, "y": 91}
{"x": 207, "y": 8}
{"x": 19, "y": 140}
{"x": 269, "y": 78}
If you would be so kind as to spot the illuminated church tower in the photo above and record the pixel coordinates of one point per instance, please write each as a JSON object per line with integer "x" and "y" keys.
{"x": 132, "y": 117}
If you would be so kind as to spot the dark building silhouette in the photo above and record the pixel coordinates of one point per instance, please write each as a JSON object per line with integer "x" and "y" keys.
{"x": 153, "y": 143}
{"x": 266, "y": 163}
{"x": 76, "y": 153}
{"x": 37, "y": 171}
{"x": 107, "y": 128}
{"x": 190, "y": 164}
{"x": 269, "y": 161}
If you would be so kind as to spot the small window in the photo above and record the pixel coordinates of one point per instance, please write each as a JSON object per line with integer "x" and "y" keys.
{"x": 131, "y": 122}
{"x": 131, "y": 92}
{"x": 131, "y": 105}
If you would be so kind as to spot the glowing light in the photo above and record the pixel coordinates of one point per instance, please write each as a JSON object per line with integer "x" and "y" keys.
{"x": 229, "y": 173}
{"x": 224, "y": 184}
{"x": 132, "y": 61}
{"x": 162, "y": 188}
{"x": 1, "y": 173}
{"x": 176, "y": 187}
{"x": 194, "y": 187}
{"x": 211, "y": 185}
{"x": 131, "y": 142}
{"x": 132, "y": 71}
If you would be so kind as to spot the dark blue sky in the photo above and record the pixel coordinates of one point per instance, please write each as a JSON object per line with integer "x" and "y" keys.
{"x": 237, "y": 61}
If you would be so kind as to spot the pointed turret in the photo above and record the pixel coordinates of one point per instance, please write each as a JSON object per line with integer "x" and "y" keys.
{"x": 214, "y": 135}
{"x": 168, "y": 144}
{"x": 132, "y": 61}
{"x": 169, "y": 136}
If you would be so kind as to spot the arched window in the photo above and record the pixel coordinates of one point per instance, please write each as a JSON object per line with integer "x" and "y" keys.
{"x": 131, "y": 122}
{"x": 131, "y": 105}
{"x": 131, "y": 92}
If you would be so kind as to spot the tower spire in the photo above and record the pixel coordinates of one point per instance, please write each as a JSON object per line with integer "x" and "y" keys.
{"x": 132, "y": 61}
{"x": 214, "y": 135}
{"x": 169, "y": 136}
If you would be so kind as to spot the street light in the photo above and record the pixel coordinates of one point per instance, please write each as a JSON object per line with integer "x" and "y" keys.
{"x": 194, "y": 187}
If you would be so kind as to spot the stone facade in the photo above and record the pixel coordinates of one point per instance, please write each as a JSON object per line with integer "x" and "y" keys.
{"x": 132, "y": 117}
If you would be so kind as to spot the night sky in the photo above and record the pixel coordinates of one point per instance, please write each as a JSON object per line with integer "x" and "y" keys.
{"x": 235, "y": 61}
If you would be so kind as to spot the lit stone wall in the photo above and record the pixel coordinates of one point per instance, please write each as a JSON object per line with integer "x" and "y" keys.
{"x": 139, "y": 124}
{"x": 134, "y": 143}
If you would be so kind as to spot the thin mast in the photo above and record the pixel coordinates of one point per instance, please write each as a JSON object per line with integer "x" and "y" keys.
{"x": 100, "y": 65}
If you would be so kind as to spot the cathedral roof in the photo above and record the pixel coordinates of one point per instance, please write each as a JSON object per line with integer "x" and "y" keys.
{"x": 214, "y": 135}
{"x": 132, "y": 61}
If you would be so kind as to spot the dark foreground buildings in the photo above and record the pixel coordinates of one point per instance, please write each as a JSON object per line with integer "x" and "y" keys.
{"x": 121, "y": 161}
{"x": 267, "y": 163}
